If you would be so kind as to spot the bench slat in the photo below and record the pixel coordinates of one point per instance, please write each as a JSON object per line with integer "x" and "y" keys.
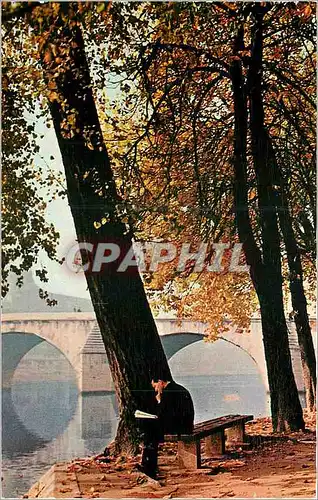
{"x": 209, "y": 427}
{"x": 218, "y": 420}
{"x": 223, "y": 422}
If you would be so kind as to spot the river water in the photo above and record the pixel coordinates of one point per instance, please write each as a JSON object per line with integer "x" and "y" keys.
{"x": 47, "y": 421}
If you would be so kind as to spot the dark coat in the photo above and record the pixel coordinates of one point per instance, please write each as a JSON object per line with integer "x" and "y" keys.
{"x": 175, "y": 410}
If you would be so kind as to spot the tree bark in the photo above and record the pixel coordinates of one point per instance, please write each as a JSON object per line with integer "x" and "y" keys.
{"x": 132, "y": 343}
{"x": 288, "y": 411}
{"x": 266, "y": 276}
{"x": 296, "y": 287}
{"x": 297, "y": 292}
{"x": 278, "y": 198}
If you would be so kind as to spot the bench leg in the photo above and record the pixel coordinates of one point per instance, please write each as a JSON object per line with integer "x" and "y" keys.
{"x": 215, "y": 444}
{"x": 236, "y": 433}
{"x": 189, "y": 455}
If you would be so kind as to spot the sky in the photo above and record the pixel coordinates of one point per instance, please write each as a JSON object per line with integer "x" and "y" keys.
{"x": 61, "y": 279}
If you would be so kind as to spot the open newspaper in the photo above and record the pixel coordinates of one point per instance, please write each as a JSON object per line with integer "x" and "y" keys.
{"x": 143, "y": 414}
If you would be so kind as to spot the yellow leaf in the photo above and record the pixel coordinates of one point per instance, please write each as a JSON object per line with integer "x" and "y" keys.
{"x": 53, "y": 96}
{"x": 52, "y": 85}
{"x": 307, "y": 11}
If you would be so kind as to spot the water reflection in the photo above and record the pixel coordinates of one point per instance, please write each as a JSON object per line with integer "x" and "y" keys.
{"x": 16, "y": 438}
{"x": 99, "y": 411}
{"x": 49, "y": 422}
{"x": 45, "y": 408}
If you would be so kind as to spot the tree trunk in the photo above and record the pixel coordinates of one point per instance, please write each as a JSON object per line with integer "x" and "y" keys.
{"x": 269, "y": 177}
{"x": 288, "y": 412}
{"x": 285, "y": 406}
{"x": 299, "y": 303}
{"x": 126, "y": 323}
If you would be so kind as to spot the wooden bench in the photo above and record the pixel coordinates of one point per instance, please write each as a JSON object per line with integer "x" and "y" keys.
{"x": 213, "y": 433}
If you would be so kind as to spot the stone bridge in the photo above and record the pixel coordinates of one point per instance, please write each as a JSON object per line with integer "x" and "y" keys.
{"x": 77, "y": 336}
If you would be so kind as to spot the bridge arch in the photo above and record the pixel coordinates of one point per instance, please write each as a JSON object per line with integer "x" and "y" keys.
{"x": 15, "y": 345}
{"x": 173, "y": 343}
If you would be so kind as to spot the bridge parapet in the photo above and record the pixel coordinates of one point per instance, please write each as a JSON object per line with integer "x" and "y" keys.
{"x": 172, "y": 326}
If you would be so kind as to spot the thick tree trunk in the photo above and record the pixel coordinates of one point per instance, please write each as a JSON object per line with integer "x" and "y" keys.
{"x": 288, "y": 411}
{"x": 128, "y": 329}
{"x": 285, "y": 406}
{"x": 299, "y": 303}
{"x": 268, "y": 176}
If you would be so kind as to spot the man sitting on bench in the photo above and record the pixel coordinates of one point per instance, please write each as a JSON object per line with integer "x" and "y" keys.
{"x": 173, "y": 405}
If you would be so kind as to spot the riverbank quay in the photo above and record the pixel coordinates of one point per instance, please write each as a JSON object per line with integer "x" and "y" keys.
{"x": 272, "y": 466}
